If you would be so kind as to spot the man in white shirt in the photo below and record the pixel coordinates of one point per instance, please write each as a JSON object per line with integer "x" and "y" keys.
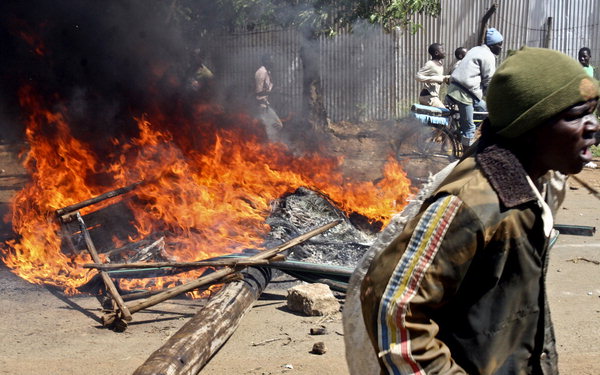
{"x": 432, "y": 76}
{"x": 266, "y": 113}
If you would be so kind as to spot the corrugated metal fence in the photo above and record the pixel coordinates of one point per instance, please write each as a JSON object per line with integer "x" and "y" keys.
{"x": 369, "y": 74}
{"x": 236, "y": 58}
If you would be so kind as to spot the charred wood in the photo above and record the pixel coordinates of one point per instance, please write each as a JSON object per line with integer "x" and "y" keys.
{"x": 148, "y": 293}
{"x": 142, "y": 251}
{"x": 190, "y": 348}
{"x": 110, "y": 286}
{"x": 61, "y": 212}
{"x": 116, "y": 318}
{"x": 231, "y": 262}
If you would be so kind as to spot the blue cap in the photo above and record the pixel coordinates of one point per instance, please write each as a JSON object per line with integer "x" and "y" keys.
{"x": 493, "y": 36}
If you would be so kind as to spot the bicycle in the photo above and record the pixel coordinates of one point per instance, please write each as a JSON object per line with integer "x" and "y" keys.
{"x": 441, "y": 136}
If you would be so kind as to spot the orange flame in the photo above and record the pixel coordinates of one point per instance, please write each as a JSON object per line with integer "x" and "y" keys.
{"x": 31, "y": 37}
{"x": 214, "y": 201}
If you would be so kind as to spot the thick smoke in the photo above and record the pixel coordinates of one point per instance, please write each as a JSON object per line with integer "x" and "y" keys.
{"x": 106, "y": 61}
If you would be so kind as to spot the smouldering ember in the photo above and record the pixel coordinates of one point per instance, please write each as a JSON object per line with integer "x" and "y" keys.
{"x": 213, "y": 202}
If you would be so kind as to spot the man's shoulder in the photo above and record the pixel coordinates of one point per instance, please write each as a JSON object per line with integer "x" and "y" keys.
{"x": 480, "y": 51}
{"x": 261, "y": 70}
{"x": 426, "y": 66}
{"x": 466, "y": 179}
{"x": 472, "y": 185}
{"x": 434, "y": 63}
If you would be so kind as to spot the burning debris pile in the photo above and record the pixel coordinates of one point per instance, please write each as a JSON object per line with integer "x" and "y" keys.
{"x": 294, "y": 215}
{"x": 192, "y": 204}
{"x": 140, "y": 191}
{"x": 76, "y": 235}
{"x": 212, "y": 203}
{"x": 343, "y": 245}
{"x": 99, "y": 116}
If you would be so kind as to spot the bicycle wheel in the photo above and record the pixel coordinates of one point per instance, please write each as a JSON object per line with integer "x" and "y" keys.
{"x": 424, "y": 149}
{"x": 437, "y": 142}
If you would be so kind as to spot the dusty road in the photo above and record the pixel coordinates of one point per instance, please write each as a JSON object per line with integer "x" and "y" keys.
{"x": 45, "y": 332}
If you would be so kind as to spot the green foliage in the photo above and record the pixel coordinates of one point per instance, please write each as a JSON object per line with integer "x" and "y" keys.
{"x": 596, "y": 151}
{"x": 316, "y": 16}
{"x": 400, "y": 12}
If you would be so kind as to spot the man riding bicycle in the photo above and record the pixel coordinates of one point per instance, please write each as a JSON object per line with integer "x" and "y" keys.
{"x": 469, "y": 82}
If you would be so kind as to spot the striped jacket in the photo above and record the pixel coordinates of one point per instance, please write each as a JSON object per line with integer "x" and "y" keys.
{"x": 462, "y": 289}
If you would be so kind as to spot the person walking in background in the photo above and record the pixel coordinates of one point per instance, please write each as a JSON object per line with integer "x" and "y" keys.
{"x": 264, "y": 86}
{"x": 432, "y": 76}
{"x": 199, "y": 79}
{"x": 459, "y": 54}
{"x": 461, "y": 290}
{"x": 584, "y": 56}
{"x": 470, "y": 80}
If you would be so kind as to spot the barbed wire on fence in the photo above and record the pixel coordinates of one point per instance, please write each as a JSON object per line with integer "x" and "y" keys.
{"x": 544, "y": 29}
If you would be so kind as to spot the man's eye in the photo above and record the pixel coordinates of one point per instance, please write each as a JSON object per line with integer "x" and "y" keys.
{"x": 574, "y": 116}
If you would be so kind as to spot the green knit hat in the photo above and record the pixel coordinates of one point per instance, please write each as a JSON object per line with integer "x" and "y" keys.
{"x": 533, "y": 85}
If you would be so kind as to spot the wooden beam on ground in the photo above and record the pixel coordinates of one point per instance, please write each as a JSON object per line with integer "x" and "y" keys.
{"x": 587, "y": 186}
{"x": 190, "y": 348}
{"x": 110, "y": 286}
{"x": 116, "y": 319}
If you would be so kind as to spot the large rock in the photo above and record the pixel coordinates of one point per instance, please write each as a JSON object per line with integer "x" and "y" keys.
{"x": 312, "y": 299}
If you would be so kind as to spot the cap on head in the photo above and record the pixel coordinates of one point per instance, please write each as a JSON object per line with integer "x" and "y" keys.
{"x": 493, "y": 36}
{"x": 533, "y": 85}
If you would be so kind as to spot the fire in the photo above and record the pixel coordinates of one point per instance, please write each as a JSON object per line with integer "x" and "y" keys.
{"x": 211, "y": 194}
{"x": 25, "y": 32}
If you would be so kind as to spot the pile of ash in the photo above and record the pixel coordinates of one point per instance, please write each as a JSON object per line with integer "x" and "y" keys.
{"x": 303, "y": 210}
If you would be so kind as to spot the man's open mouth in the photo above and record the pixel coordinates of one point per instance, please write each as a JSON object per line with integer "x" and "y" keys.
{"x": 586, "y": 153}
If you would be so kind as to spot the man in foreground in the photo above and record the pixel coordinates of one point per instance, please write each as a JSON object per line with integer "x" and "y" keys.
{"x": 470, "y": 80}
{"x": 462, "y": 289}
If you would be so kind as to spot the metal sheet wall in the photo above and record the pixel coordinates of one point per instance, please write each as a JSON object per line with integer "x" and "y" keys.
{"x": 369, "y": 75}
{"x": 238, "y": 56}
{"x": 575, "y": 25}
{"x": 359, "y": 75}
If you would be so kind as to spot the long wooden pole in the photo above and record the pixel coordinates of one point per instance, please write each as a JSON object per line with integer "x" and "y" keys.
{"x": 190, "y": 348}
{"x": 97, "y": 199}
{"x": 484, "y": 20}
{"x": 588, "y": 187}
{"x": 232, "y": 262}
{"x": 110, "y": 286}
{"x": 548, "y": 37}
{"x": 111, "y": 318}
{"x": 277, "y": 261}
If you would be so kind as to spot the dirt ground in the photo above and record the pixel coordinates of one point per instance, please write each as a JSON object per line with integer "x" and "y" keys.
{"x": 45, "y": 332}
